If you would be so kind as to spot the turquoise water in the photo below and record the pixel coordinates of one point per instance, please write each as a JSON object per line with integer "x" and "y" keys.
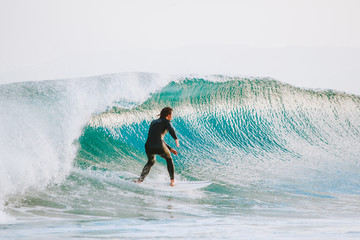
{"x": 284, "y": 161}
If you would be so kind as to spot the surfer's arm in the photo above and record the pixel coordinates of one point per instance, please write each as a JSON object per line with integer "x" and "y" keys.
{"x": 171, "y": 130}
{"x": 173, "y": 133}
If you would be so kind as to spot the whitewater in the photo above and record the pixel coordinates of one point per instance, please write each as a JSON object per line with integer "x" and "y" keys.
{"x": 284, "y": 161}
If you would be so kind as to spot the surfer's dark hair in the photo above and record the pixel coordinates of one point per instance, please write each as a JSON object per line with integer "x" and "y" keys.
{"x": 165, "y": 112}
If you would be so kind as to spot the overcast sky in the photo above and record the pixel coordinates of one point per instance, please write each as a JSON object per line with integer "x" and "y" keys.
{"x": 309, "y": 43}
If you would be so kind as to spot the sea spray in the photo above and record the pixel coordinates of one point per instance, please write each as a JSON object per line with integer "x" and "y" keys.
{"x": 40, "y": 122}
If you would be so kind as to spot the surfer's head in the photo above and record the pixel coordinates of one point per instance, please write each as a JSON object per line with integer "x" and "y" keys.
{"x": 166, "y": 113}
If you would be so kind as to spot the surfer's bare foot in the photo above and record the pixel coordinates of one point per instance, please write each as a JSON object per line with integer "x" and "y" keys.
{"x": 172, "y": 183}
{"x": 137, "y": 181}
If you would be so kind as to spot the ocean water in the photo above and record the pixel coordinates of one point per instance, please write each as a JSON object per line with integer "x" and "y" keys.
{"x": 284, "y": 161}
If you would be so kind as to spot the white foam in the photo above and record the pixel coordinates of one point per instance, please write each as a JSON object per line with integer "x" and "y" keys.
{"x": 41, "y": 121}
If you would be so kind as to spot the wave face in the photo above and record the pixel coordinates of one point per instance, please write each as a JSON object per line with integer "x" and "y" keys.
{"x": 70, "y": 148}
{"x": 239, "y": 131}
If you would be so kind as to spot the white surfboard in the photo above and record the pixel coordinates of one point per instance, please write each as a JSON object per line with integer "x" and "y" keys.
{"x": 179, "y": 186}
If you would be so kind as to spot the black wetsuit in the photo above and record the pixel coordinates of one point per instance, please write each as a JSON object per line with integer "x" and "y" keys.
{"x": 155, "y": 144}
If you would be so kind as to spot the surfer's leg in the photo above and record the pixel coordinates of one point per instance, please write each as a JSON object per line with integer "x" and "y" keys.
{"x": 170, "y": 164}
{"x": 147, "y": 167}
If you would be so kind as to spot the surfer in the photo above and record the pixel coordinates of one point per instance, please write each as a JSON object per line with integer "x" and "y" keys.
{"x": 155, "y": 144}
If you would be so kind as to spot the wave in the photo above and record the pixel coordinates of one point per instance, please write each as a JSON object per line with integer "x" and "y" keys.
{"x": 236, "y": 132}
{"x": 40, "y": 122}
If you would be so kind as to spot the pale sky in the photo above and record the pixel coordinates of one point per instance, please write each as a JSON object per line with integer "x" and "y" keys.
{"x": 308, "y": 43}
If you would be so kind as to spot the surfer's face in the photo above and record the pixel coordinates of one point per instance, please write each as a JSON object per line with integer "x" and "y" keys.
{"x": 169, "y": 117}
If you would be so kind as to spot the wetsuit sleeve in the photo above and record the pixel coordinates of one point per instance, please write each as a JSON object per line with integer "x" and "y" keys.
{"x": 171, "y": 130}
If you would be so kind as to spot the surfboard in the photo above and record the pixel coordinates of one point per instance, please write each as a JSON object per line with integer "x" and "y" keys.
{"x": 180, "y": 186}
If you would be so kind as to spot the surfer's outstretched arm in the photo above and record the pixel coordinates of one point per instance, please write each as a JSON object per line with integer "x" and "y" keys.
{"x": 171, "y": 130}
